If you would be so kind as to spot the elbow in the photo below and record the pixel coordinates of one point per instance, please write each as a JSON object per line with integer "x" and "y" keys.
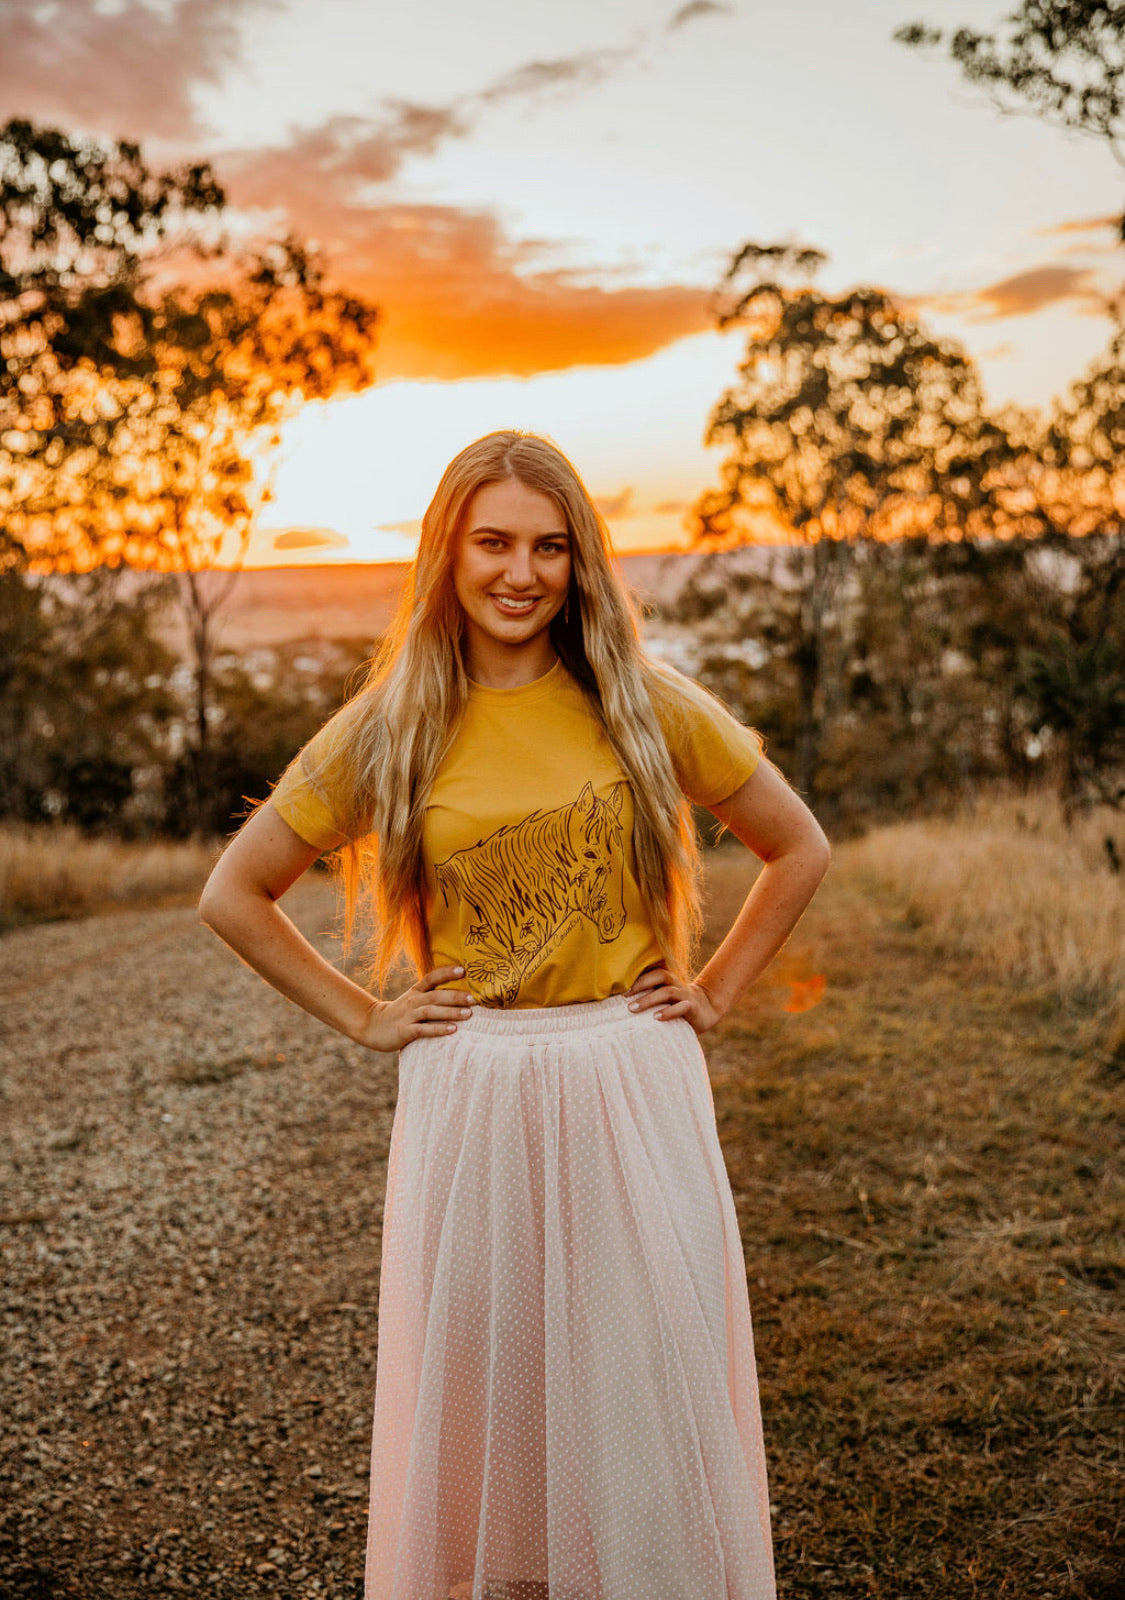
{"x": 211, "y": 904}
{"x": 821, "y": 850}
{"x": 207, "y": 908}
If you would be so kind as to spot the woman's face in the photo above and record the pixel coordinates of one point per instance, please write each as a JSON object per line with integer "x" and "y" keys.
{"x": 511, "y": 569}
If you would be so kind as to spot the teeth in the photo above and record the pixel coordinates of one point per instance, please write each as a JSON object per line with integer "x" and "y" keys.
{"x": 514, "y": 605}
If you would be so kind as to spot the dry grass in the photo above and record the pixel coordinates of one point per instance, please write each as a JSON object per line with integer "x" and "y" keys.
{"x": 50, "y": 873}
{"x": 926, "y": 1167}
{"x": 1008, "y": 882}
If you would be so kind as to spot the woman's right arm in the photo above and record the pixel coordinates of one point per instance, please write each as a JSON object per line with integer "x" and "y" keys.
{"x": 239, "y": 902}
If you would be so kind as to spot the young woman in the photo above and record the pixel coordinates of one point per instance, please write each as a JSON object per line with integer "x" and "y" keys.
{"x": 566, "y": 1405}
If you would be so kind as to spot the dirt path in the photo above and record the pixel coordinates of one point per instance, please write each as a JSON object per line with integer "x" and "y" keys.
{"x": 192, "y": 1187}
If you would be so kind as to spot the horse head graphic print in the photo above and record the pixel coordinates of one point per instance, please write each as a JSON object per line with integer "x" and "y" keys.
{"x": 529, "y": 883}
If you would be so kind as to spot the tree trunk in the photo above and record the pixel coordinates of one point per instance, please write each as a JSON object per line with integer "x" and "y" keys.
{"x": 811, "y": 663}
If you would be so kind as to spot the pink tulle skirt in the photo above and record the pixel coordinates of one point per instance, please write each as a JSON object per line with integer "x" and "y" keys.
{"x": 566, "y": 1405}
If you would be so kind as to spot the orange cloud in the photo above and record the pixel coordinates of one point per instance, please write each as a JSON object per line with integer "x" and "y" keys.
{"x": 616, "y": 505}
{"x": 1020, "y": 295}
{"x": 461, "y": 298}
{"x": 309, "y": 539}
{"x": 1080, "y": 225}
{"x": 125, "y": 72}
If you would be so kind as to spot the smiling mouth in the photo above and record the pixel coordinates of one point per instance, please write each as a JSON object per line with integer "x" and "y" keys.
{"x": 512, "y": 606}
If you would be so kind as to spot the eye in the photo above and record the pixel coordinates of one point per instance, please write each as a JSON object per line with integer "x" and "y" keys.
{"x": 554, "y": 547}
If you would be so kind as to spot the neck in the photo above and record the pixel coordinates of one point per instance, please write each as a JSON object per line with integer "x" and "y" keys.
{"x": 500, "y": 666}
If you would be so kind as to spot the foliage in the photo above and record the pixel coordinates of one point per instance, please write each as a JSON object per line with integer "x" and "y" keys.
{"x": 1062, "y": 60}
{"x": 848, "y": 425}
{"x": 144, "y": 391}
{"x": 86, "y": 706}
{"x": 933, "y": 648}
{"x": 263, "y": 710}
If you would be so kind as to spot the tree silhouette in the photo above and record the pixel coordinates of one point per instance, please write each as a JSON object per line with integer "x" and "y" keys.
{"x": 848, "y": 423}
{"x": 1061, "y": 60}
{"x": 81, "y": 226}
{"x": 1064, "y": 61}
{"x": 150, "y": 367}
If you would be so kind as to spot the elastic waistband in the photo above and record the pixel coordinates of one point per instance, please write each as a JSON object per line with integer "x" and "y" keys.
{"x": 519, "y": 1022}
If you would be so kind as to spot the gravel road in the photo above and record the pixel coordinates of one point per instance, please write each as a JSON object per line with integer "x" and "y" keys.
{"x": 193, "y": 1175}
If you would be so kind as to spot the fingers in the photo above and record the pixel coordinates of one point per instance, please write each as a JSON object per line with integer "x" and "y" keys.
{"x": 679, "y": 1008}
{"x": 443, "y": 1013}
{"x": 645, "y": 1000}
{"x": 430, "y": 1030}
{"x": 449, "y": 997}
{"x": 439, "y": 975}
{"x": 651, "y": 979}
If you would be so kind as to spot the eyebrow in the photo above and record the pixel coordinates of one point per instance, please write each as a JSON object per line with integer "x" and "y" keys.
{"x": 506, "y": 533}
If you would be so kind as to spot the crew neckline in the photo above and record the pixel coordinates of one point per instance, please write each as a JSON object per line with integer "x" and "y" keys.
{"x": 523, "y": 692}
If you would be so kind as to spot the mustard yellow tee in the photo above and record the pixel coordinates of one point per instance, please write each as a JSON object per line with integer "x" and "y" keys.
{"x": 528, "y": 838}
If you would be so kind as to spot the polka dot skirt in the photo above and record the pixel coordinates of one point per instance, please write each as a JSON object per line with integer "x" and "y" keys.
{"x": 566, "y": 1405}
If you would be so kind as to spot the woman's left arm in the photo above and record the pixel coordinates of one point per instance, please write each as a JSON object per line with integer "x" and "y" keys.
{"x": 775, "y": 823}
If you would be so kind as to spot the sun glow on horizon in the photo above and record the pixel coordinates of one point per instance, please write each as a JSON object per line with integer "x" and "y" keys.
{"x": 355, "y": 475}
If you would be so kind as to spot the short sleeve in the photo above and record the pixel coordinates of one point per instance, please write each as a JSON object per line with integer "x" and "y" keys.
{"x": 713, "y": 753}
{"x": 311, "y": 809}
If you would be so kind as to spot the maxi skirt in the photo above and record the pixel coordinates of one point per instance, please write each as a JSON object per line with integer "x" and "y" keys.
{"x": 566, "y": 1403}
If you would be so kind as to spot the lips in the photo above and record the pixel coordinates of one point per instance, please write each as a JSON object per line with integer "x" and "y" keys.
{"x": 514, "y": 606}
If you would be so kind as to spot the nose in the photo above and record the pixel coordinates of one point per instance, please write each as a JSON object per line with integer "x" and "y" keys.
{"x": 518, "y": 572}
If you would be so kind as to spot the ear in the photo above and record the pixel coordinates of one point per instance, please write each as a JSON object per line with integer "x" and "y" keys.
{"x": 617, "y": 799}
{"x": 585, "y": 801}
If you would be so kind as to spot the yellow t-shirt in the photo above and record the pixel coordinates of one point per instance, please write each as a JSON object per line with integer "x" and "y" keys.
{"x": 528, "y": 838}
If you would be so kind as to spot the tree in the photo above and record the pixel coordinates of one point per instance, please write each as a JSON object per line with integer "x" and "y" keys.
{"x": 1061, "y": 60}
{"x": 86, "y": 707}
{"x": 142, "y": 416}
{"x": 81, "y": 224}
{"x": 849, "y": 423}
{"x": 1064, "y": 61}
{"x": 189, "y": 468}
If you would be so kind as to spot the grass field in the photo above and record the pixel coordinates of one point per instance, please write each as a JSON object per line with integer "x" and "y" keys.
{"x": 926, "y": 1165}
{"x": 47, "y": 874}
{"x": 924, "y": 1150}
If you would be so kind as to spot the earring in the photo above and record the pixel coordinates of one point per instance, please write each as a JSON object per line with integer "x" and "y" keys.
{"x": 566, "y": 612}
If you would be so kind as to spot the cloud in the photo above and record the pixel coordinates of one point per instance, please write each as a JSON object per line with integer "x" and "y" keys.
{"x": 309, "y": 539}
{"x": 461, "y": 298}
{"x": 1080, "y": 225}
{"x": 129, "y": 72}
{"x": 616, "y": 505}
{"x": 578, "y": 71}
{"x": 325, "y": 167}
{"x": 696, "y": 9}
{"x": 1021, "y": 295}
{"x": 459, "y": 303}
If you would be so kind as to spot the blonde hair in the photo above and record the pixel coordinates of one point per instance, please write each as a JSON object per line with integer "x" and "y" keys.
{"x": 395, "y": 731}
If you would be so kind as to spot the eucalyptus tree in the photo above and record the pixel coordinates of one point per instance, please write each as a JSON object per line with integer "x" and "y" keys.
{"x": 1064, "y": 62}
{"x": 1060, "y": 60}
{"x": 848, "y": 425}
{"x": 146, "y": 368}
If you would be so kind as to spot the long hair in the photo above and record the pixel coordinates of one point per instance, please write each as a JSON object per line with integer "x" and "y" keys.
{"x": 395, "y": 731}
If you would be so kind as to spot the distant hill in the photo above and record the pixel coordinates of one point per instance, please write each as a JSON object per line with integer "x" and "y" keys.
{"x": 286, "y": 605}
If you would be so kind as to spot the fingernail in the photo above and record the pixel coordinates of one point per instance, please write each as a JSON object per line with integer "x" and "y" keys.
{"x": 457, "y": 971}
{"x": 633, "y": 1005}
{"x": 452, "y": 1028}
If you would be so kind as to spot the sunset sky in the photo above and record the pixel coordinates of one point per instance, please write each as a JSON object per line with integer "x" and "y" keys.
{"x": 541, "y": 198}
